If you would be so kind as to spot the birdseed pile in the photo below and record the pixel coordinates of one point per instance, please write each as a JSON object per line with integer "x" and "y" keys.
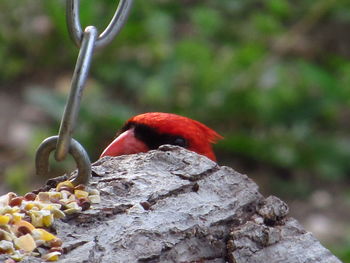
{"x": 25, "y": 221}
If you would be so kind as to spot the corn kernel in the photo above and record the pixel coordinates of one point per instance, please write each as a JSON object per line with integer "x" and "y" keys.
{"x": 25, "y": 243}
{"x": 55, "y": 195}
{"x": 47, "y": 220}
{"x": 53, "y": 256}
{"x": 28, "y": 206}
{"x": 74, "y": 210}
{"x": 73, "y": 205}
{"x": 58, "y": 213}
{"x": 11, "y": 210}
{"x": 16, "y": 217}
{"x": 52, "y": 207}
{"x": 48, "y": 207}
{"x": 4, "y": 219}
{"x": 68, "y": 184}
{"x": 42, "y": 234}
{"x": 8, "y": 210}
{"x": 81, "y": 193}
{"x": 37, "y": 220}
{"x": 24, "y": 223}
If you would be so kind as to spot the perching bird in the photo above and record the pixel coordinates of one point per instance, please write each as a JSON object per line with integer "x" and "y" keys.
{"x": 148, "y": 131}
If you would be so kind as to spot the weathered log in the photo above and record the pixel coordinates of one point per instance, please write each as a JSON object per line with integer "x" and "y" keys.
{"x": 172, "y": 205}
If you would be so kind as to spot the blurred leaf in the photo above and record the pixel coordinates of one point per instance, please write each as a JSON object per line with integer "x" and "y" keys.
{"x": 279, "y": 8}
{"x": 159, "y": 25}
{"x": 53, "y": 104}
{"x": 207, "y": 20}
{"x": 16, "y": 178}
{"x": 215, "y": 61}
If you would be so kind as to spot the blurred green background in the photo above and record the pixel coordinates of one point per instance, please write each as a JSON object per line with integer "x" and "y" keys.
{"x": 273, "y": 77}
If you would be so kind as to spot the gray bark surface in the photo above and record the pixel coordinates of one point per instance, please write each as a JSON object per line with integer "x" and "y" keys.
{"x": 172, "y": 205}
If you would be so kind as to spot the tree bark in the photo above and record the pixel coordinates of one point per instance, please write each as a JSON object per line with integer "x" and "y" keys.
{"x": 172, "y": 205}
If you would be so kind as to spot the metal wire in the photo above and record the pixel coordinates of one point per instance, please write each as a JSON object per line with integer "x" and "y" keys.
{"x": 75, "y": 149}
{"x": 78, "y": 82}
{"x": 87, "y": 41}
{"x": 111, "y": 31}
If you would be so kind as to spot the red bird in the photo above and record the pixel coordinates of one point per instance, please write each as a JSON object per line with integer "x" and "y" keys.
{"x": 148, "y": 131}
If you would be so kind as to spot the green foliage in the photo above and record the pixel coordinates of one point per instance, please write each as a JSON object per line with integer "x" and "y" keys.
{"x": 221, "y": 62}
{"x": 343, "y": 251}
{"x": 18, "y": 179}
{"x": 197, "y": 59}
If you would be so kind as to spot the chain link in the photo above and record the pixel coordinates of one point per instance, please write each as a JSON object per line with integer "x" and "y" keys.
{"x": 75, "y": 149}
{"x": 87, "y": 41}
{"x": 111, "y": 31}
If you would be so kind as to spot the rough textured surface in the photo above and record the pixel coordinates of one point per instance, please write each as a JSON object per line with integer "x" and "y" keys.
{"x": 172, "y": 205}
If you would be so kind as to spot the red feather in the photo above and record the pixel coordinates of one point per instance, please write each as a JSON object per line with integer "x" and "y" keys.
{"x": 200, "y": 138}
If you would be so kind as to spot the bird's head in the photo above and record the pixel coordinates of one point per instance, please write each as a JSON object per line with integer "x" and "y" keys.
{"x": 148, "y": 131}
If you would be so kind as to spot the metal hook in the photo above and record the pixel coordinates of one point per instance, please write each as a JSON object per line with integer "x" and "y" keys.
{"x": 87, "y": 41}
{"x": 75, "y": 149}
{"x": 113, "y": 28}
{"x": 78, "y": 82}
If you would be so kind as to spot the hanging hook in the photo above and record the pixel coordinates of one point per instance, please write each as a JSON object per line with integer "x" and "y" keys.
{"x": 113, "y": 28}
{"x": 78, "y": 82}
{"x": 75, "y": 149}
{"x": 87, "y": 41}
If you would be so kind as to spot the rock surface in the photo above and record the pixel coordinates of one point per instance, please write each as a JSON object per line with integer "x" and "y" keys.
{"x": 172, "y": 205}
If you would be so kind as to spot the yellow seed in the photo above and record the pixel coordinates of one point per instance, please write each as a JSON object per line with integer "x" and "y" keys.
{"x": 29, "y": 206}
{"x": 4, "y": 219}
{"x": 52, "y": 207}
{"x": 25, "y": 243}
{"x": 58, "y": 213}
{"x": 8, "y": 210}
{"x": 47, "y": 220}
{"x": 42, "y": 234}
{"x": 70, "y": 211}
{"x": 11, "y": 210}
{"x": 16, "y": 217}
{"x": 55, "y": 195}
{"x": 48, "y": 207}
{"x": 37, "y": 220}
{"x": 64, "y": 183}
{"x": 25, "y": 224}
{"x": 81, "y": 193}
{"x": 53, "y": 256}
{"x": 74, "y": 205}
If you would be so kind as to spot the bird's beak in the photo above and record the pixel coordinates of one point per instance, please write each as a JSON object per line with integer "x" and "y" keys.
{"x": 125, "y": 143}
